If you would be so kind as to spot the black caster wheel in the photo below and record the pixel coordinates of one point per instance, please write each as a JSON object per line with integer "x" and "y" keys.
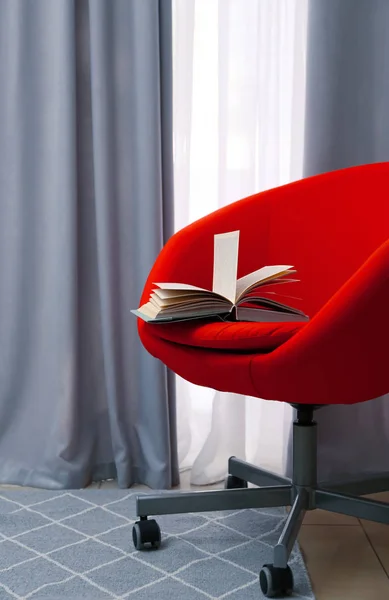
{"x": 233, "y": 483}
{"x": 275, "y": 582}
{"x": 146, "y": 534}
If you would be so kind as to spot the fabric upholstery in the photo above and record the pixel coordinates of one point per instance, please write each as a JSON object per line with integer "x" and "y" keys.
{"x": 230, "y": 336}
{"x": 334, "y": 229}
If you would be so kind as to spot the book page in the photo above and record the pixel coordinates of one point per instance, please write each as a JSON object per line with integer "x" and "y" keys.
{"x": 183, "y": 300}
{"x": 268, "y": 303}
{"x": 164, "y": 294}
{"x": 225, "y": 264}
{"x": 180, "y": 287}
{"x": 260, "y": 276}
{"x": 267, "y": 316}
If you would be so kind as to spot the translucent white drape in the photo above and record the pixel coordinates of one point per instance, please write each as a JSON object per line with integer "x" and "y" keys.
{"x": 239, "y": 90}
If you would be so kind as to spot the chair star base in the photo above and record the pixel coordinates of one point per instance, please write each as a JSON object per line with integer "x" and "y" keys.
{"x": 301, "y": 493}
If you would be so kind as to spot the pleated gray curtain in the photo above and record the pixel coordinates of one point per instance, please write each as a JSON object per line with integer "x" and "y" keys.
{"x": 347, "y": 123}
{"x": 86, "y": 203}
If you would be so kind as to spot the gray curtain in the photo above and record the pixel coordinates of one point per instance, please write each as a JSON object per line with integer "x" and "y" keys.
{"x": 86, "y": 203}
{"x": 347, "y": 123}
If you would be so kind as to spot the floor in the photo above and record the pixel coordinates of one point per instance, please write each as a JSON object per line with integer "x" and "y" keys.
{"x": 347, "y": 559}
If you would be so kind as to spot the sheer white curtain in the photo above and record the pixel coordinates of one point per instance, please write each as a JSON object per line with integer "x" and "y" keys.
{"x": 239, "y": 90}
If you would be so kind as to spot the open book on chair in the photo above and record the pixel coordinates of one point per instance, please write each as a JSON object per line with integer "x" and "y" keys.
{"x": 231, "y": 299}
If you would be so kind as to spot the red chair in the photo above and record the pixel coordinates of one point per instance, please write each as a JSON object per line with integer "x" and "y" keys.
{"x": 334, "y": 228}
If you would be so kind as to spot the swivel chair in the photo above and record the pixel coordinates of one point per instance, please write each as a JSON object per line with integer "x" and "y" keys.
{"x": 334, "y": 228}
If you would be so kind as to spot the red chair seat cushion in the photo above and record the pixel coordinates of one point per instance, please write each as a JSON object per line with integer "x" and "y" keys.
{"x": 264, "y": 337}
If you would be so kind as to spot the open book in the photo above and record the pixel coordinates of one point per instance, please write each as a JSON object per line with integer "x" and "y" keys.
{"x": 244, "y": 299}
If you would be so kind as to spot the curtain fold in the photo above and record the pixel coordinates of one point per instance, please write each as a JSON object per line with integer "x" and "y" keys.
{"x": 347, "y": 123}
{"x": 86, "y": 203}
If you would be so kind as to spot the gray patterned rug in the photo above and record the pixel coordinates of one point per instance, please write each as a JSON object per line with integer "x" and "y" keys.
{"x": 78, "y": 544}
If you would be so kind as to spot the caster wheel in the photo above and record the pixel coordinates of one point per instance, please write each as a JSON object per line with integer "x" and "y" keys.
{"x": 233, "y": 483}
{"x": 275, "y": 582}
{"x": 146, "y": 534}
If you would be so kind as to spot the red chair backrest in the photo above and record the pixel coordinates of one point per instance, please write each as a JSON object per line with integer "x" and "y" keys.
{"x": 326, "y": 226}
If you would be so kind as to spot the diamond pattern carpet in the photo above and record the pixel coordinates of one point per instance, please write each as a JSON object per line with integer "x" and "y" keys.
{"x": 78, "y": 544}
